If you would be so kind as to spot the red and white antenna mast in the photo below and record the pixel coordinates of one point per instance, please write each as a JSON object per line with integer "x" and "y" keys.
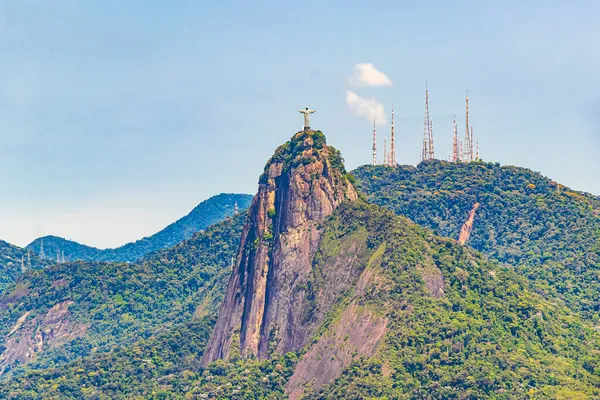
{"x": 455, "y": 149}
{"x": 385, "y": 156}
{"x": 431, "y": 147}
{"x": 393, "y": 143}
{"x": 468, "y": 150}
{"x": 374, "y": 144}
{"x": 473, "y": 158}
{"x": 425, "y": 153}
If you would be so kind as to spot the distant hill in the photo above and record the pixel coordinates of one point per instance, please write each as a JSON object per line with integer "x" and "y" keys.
{"x": 202, "y": 216}
{"x": 549, "y": 232}
{"x": 14, "y": 261}
{"x": 65, "y": 311}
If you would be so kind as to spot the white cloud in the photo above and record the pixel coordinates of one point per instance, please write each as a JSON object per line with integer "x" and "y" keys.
{"x": 365, "y": 74}
{"x": 368, "y": 108}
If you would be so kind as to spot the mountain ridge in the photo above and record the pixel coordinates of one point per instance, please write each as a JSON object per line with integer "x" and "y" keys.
{"x": 14, "y": 261}
{"x": 332, "y": 297}
{"x": 546, "y": 230}
{"x": 423, "y": 317}
{"x": 206, "y": 213}
{"x": 66, "y": 311}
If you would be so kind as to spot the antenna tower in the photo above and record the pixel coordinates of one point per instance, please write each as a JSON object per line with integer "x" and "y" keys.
{"x": 455, "y": 146}
{"x": 427, "y": 152}
{"x": 468, "y": 150}
{"x": 393, "y": 143}
{"x": 374, "y": 143}
{"x": 431, "y": 147}
{"x": 385, "y": 156}
{"x": 473, "y": 157}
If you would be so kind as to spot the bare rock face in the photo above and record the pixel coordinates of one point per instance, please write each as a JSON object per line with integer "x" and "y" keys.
{"x": 357, "y": 334}
{"x": 31, "y": 336}
{"x": 467, "y": 228}
{"x": 261, "y": 313}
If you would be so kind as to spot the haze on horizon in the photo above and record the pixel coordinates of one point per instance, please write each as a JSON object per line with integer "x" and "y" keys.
{"x": 117, "y": 118}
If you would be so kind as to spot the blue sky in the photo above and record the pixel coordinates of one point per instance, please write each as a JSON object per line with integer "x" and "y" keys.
{"x": 118, "y": 117}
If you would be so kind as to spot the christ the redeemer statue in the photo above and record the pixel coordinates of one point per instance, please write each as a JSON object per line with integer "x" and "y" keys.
{"x": 306, "y": 113}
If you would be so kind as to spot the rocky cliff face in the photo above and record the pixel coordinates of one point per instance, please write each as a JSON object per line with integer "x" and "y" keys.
{"x": 262, "y": 312}
{"x": 30, "y": 336}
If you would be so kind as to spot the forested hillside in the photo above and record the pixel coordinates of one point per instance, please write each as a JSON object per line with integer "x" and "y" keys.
{"x": 202, "y": 216}
{"x": 14, "y": 261}
{"x": 549, "y": 232}
{"x": 424, "y": 318}
{"x": 65, "y": 311}
{"x": 331, "y": 296}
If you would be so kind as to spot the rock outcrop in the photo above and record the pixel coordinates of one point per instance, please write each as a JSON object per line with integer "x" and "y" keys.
{"x": 467, "y": 228}
{"x": 262, "y": 311}
{"x": 31, "y": 336}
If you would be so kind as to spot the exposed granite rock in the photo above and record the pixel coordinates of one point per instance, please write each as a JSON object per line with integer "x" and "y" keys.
{"x": 31, "y": 336}
{"x": 302, "y": 184}
{"x": 357, "y": 334}
{"x": 467, "y": 228}
{"x": 434, "y": 280}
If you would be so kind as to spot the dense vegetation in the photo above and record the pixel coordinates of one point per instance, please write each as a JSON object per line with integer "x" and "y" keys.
{"x": 120, "y": 301}
{"x": 488, "y": 336}
{"x": 458, "y": 324}
{"x": 14, "y": 261}
{"x": 549, "y": 232}
{"x": 138, "y": 371}
{"x": 164, "y": 366}
{"x": 295, "y": 152}
{"x": 202, "y": 216}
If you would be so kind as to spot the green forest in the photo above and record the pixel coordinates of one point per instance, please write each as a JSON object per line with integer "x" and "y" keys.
{"x": 511, "y": 314}
{"x": 123, "y": 302}
{"x": 14, "y": 261}
{"x": 549, "y": 232}
{"x": 488, "y": 336}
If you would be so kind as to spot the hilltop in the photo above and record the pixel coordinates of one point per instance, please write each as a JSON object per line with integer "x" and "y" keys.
{"x": 549, "y": 232}
{"x": 206, "y": 213}
{"x": 14, "y": 261}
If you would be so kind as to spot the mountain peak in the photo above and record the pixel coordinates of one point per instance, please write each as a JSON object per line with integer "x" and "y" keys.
{"x": 305, "y": 147}
{"x": 302, "y": 184}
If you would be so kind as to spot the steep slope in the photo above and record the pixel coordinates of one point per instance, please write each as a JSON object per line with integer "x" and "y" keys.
{"x": 137, "y": 371}
{"x": 365, "y": 288}
{"x": 14, "y": 261}
{"x": 302, "y": 184}
{"x": 420, "y": 317}
{"x": 68, "y": 310}
{"x": 456, "y": 325}
{"x": 373, "y": 305}
{"x": 202, "y": 216}
{"x": 549, "y": 232}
